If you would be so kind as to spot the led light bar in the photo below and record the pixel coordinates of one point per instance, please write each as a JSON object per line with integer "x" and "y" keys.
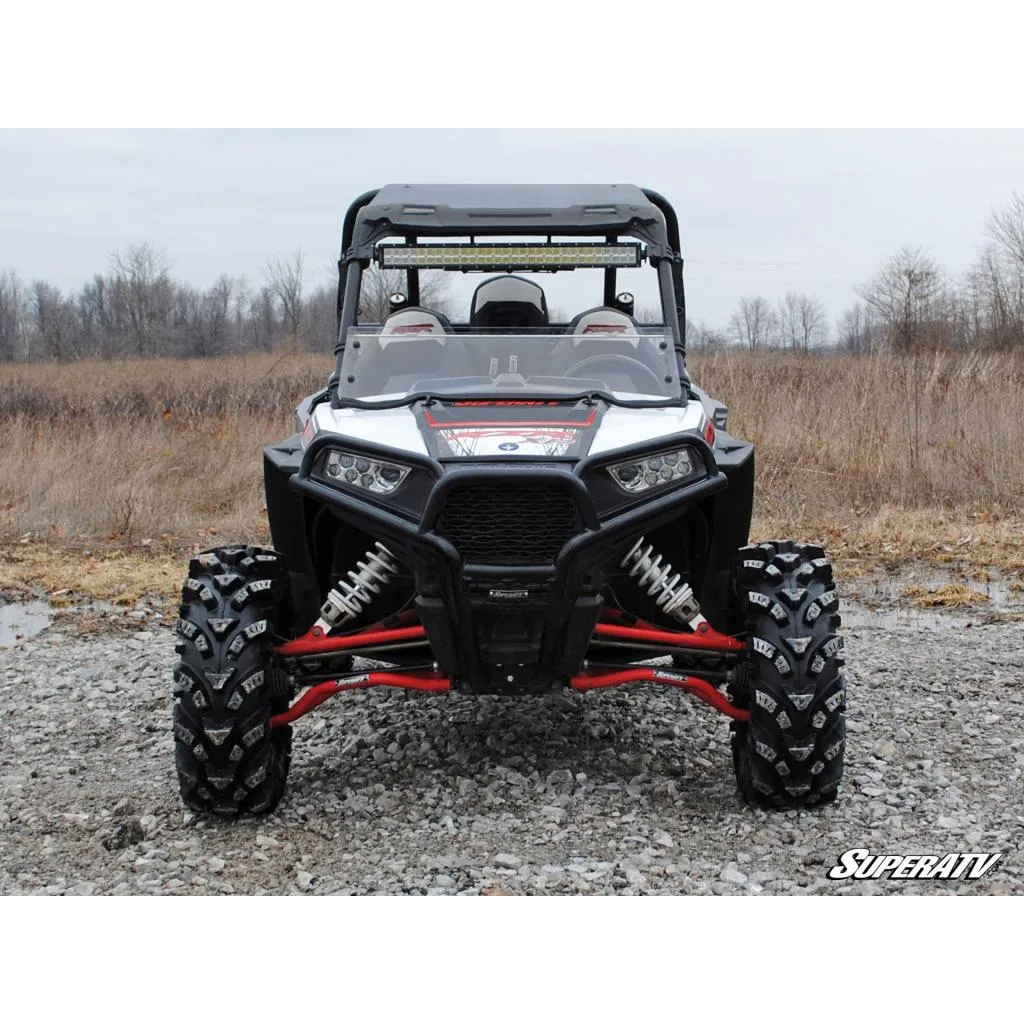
{"x": 509, "y": 256}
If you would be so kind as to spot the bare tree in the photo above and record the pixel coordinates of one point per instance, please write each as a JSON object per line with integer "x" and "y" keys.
{"x": 909, "y": 294}
{"x": 812, "y": 321}
{"x": 322, "y": 317}
{"x": 999, "y": 287}
{"x": 969, "y": 308}
{"x": 997, "y": 279}
{"x": 240, "y": 303}
{"x": 701, "y": 338}
{"x": 93, "y": 316}
{"x": 54, "y": 321}
{"x": 202, "y": 320}
{"x": 802, "y": 321}
{"x": 378, "y": 285}
{"x": 187, "y": 321}
{"x": 754, "y": 324}
{"x": 857, "y": 330}
{"x": 142, "y": 288}
{"x": 284, "y": 279}
{"x": 788, "y": 320}
{"x": 263, "y": 318}
{"x": 217, "y": 313}
{"x": 1006, "y": 229}
{"x": 691, "y": 336}
{"x": 12, "y": 322}
{"x": 648, "y": 313}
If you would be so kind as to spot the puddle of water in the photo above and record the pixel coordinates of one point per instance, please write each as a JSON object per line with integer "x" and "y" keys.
{"x": 856, "y": 616}
{"x": 880, "y": 603}
{"x": 20, "y": 620}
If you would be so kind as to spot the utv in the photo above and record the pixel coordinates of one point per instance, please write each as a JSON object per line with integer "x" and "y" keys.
{"x": 510, "y": 504}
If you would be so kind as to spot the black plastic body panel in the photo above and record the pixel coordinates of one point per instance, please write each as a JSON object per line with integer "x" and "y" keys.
{"x": 290, "y": 520}
{"x": 728, "y": 514}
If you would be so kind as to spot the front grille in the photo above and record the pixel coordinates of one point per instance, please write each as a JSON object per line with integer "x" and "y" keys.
{"x": 509, "y": 524}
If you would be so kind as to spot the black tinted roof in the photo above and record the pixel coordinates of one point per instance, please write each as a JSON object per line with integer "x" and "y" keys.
{"x": 508, "y": 209}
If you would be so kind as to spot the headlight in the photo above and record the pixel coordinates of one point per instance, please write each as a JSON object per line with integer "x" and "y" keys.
{"x": 373, "y": 475}
{"x": 661, "y": 470}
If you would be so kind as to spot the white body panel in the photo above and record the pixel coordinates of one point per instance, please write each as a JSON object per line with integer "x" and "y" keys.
{"x": 621, "y": 427}
{"x": 398, "y": 428}
{"x": 395, "y": 428}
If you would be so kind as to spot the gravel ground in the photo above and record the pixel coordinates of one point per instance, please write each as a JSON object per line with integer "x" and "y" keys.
{"x": 627, "y": 791}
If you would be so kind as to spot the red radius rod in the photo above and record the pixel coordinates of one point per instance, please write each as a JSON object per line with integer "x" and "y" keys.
{"x": 313, "y": 643}
{"x": 434, "y": 683}
{"x": 310, "y": 644}
{"x": 704, "y": 639}
{"x": 316, "y": 695}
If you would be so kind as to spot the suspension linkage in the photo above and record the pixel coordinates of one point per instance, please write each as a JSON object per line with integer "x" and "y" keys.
{"x": 314, "y": 643}
{"x": 704, "y": 638}
{"x": 316, "y": 695}
{"x": 594, "y": 678}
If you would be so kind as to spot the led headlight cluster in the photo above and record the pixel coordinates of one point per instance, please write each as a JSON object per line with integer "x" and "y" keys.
{"x": 373, "y": 475}
{"x": 674, "y": 467}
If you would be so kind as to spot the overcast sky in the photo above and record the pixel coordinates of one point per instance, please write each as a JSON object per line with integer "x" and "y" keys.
{"x": 760, "y": 212}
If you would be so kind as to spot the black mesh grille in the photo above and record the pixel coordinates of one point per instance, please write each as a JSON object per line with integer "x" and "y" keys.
{"x": 509, "y": 524}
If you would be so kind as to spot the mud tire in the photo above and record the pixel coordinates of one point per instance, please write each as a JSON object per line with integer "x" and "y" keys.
{"x": 790, "y": 754}
{"x": 227, "y": 758}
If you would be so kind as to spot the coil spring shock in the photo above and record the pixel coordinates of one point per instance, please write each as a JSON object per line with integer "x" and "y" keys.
{"x": 354, "y": 592}
{"x": 654, "y": 575}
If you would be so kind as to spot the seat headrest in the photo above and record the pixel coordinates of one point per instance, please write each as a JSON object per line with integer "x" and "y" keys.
{"x": 508, "y": 302}
{"x": 606, "y": 322}
{"x": 412, "y": 323}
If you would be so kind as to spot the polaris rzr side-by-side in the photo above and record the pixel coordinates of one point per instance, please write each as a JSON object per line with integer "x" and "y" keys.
{"x": 513, "y": 504}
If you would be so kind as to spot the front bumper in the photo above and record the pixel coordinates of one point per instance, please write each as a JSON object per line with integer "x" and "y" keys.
{"x": 506, "y": 628}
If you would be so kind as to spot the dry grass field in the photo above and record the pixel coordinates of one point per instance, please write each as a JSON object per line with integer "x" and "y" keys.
{"x": 884, "y": 459}
{"x": 111, "y": 472}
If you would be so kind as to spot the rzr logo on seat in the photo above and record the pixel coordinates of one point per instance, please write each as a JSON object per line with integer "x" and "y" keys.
{"x": 413, "y": 329}
{"x": 605, "y": 329}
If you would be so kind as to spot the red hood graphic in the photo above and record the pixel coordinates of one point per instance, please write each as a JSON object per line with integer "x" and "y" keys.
{"x": 510, "y": 428}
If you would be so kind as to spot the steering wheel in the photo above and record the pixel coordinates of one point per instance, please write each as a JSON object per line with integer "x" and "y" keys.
{"x": 634, "y": 365}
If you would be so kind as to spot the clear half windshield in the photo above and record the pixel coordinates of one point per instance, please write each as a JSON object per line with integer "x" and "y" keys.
{"x": 422, "y": 359}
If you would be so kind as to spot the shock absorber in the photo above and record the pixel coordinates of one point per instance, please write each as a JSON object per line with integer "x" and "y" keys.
{"x": 655, "y": 575}
{"x": 356, "y": 590}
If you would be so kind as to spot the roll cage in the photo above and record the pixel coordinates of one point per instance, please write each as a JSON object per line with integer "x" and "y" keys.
{"x": 420, "y": 212}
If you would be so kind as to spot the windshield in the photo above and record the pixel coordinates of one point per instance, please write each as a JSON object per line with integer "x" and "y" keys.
{"x": 412, "y": 357}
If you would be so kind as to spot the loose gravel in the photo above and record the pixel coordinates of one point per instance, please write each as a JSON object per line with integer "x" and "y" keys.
{"x": 627, "y": 791}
